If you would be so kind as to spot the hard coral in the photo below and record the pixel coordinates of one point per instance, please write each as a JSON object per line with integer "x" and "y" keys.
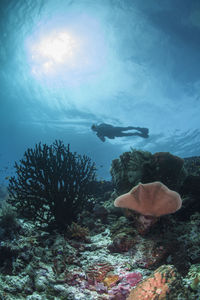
{"x": 121, "y": 243}
{"x": 111, "y": 280}
{"x": 162, "y": 284}
{"x": 127, "y": 281}
{"x": 144, "y": 223}
{"x": 169, "y": 169}
{"x": 52, "y": 184}
{"x": 97, "y": 273}
{"x": 194, "y": 276}
{"x": 152, "y": 254}
{"x": 129, "y": 168}
{"x": 78, "y": 232}
{"x": 141, "y": 166}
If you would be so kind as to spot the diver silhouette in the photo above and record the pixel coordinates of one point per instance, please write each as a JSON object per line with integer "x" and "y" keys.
{"x": 106, "y": 130}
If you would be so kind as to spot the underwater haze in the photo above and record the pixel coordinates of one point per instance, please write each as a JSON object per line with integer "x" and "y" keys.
{"x": 68, "y": 64}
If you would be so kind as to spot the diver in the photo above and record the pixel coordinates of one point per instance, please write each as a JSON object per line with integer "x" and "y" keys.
{"x": 106, "y": 130}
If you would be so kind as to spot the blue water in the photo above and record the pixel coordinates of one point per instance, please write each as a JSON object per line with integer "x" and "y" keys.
{"x": 68, "y": 64}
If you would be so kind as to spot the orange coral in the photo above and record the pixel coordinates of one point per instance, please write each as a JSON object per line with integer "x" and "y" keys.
{"x": 156, "y": 286}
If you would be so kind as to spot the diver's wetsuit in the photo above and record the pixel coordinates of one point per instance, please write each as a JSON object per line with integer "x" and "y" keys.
{"x": 106, "y": 130}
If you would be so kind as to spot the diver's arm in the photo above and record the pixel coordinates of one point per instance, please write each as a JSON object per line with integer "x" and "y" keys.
{"x": 101, "y": 137}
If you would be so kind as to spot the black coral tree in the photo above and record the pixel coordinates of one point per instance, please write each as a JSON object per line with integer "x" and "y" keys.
{"x": 52, "y": 184}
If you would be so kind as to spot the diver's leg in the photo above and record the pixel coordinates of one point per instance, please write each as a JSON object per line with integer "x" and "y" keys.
{"x": 125, "y": 128}
{"x": 132, "y": 134}
{"x": 118, "y": 131}
{"x": 120, "y": 134}
{"x": 144, "y": 131}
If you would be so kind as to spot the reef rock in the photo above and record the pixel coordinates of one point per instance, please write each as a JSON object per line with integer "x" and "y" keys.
{"x": 141, "y": 166}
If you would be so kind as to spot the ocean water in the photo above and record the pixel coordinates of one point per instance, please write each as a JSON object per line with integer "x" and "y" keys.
{"x": 66, "y": 64}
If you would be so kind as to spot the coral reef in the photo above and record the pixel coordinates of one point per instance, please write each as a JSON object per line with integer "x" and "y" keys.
{"x": 188, "y": 236}
{"x": 163, "y": 284}
{"x": 103, "y": 255}
{"x": 100, "y": 212}
{"x": 111, "y": 280}
{"x": 151, "y": 253}
{"x": 180, "y": 175}
{"x": 9, "y": 224}
{"x": 77, "y": 232}
{"x": 148, "y": 202}
{"x": 144, "y": 223}
{"x": 192, "y": 165}
{"x": 128, "y": 170}
{"x": 139, "y": 166}
{"x": 169, "y": 169}
{"x": 43, "y": 265}
{"x": 194, "y": 277}
{"x": 97, "y": 273}
{"x": 121, "y": 243}
{"x": 122, "y": 290}
{"x": 52, "y": 184}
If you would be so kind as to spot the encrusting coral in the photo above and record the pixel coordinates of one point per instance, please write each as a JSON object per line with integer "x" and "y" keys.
{"x": 162, "y": 284}
{"x": 52, "y": 185}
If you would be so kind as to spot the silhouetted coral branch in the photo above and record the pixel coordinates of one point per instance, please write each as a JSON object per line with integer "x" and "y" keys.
{"x": 52, "y": 184}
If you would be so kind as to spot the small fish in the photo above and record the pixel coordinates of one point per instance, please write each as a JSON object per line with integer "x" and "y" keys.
{"x": 7, "y": 177}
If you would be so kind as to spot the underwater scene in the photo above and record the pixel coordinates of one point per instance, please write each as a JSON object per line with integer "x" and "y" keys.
{"x": 99, "y": 150}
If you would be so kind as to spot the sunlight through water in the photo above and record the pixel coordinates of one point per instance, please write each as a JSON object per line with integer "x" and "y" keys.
{"x": 52, "y": 51}
{"x": 71, "y": 52}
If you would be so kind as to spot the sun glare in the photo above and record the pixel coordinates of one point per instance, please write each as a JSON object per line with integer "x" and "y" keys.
{"x": 69, "y": 54}
{"x": 54, "y": 50}
{"x": 59, "y": 47}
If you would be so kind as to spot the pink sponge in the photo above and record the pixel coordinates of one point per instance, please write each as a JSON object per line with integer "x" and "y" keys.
{"x": 150, "y": 199}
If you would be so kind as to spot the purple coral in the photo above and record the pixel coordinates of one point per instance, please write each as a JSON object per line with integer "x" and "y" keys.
{"x": 132, "y": 278}
{"x": 121, "y": 291}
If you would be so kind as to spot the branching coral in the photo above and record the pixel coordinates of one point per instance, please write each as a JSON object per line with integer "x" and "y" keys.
{"x": 78, "y": 232}
{"x": 52, "y": 184}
